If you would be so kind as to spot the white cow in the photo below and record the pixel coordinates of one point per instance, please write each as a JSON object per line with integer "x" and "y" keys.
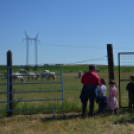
{"x": 52, "y": 75}
{"x": 44, "y": 75}
{"x": 22, "y": 71}
{"x": 47, "y": 71}
{"x": 32, "y": 75}
{"x": 48, "y": 75}
{"x": 18, "y": 76}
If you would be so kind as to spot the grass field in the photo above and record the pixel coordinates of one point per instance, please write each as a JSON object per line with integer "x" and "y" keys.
{"x": 71, "y": 86}
{"x": 72, "y": 89}
{"x": 42, "y": 122}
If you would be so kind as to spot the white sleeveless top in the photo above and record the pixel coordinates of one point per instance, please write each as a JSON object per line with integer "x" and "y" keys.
{"x": 102, "y": 89}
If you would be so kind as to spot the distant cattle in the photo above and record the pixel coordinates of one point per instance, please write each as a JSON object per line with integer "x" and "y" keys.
{"x": 22, "y": 71}
{"x": 52, "y": 75}
{"x": 97, "y": 70}
{"x": 17, "y": 75}
{"x": 79, "y": 74}
{"x": 48, "y": 75}
{"x": 32, "y": 75}
{"x": 47, "y": 71}
{"x": 44, "y": 75}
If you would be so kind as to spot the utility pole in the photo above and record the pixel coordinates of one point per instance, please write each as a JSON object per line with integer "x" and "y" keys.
{"x": 27, "y": 48}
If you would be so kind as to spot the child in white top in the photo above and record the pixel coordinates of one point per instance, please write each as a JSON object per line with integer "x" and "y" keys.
{"x": 103, "y": 98}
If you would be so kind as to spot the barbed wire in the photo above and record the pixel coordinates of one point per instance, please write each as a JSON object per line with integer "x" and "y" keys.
{"x": 78, "y": 62}
{"x": 76, "y": 46}
{"x": 88, "y": 60}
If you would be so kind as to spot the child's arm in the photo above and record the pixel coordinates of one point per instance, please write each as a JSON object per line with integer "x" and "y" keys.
{"x": 127, "y": 87}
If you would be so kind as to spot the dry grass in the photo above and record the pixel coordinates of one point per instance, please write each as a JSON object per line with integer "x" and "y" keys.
{"x": 73, "y": 123}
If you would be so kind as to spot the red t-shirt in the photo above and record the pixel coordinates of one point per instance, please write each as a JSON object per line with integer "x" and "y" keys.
{"x": 90, "y": 78}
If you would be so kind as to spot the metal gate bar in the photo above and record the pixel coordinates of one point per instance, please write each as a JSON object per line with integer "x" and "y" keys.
{"x": 40, "y": 91}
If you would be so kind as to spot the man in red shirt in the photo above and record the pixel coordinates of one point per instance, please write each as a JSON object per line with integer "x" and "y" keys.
{"x": 90, "y": 80}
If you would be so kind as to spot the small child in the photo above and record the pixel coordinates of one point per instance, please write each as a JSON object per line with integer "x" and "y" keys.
{"x": 103, "y": 98}
{"x": 130, "y": 88}
{"x": 112, "y": 98}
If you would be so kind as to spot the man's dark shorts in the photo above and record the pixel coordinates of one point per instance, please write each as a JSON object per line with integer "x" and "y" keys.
{"x": 88, "y": 92}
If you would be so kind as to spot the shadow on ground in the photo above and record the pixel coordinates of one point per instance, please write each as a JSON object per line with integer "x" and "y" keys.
{"x": 74, "y": 116}
{"x": 66, "y": 117}
{"x": 124, "y": 121}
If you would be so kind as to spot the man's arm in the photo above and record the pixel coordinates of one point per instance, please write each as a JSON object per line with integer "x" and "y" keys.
{"x": 98, "y": 80}
{"x": 82, "y": 79}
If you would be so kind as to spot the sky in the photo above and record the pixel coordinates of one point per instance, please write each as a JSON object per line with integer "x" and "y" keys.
{"x": 70, "y": 31}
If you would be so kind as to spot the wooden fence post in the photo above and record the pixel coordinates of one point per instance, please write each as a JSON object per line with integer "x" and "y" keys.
{"x": 110, "y": 61}
{"x": 9, "y": 86}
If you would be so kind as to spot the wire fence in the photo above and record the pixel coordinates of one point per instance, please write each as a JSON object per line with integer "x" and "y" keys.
{"x": 126, "y": 69}
{"x": 45, "y": 88}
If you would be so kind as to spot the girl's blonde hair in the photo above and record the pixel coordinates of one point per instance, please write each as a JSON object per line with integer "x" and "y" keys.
{"x": 112, "y": 82}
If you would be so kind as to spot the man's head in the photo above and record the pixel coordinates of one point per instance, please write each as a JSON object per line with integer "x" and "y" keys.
{"x": 92, "y": 68}
{"x": 132, "y": 78}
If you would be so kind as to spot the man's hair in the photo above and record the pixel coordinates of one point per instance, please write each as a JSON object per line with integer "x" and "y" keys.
{"x": 132, "y": 77}
{"x": 91, "y": 67}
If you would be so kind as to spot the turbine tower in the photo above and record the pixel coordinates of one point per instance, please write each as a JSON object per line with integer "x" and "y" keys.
{"x": 27, "y": 48}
